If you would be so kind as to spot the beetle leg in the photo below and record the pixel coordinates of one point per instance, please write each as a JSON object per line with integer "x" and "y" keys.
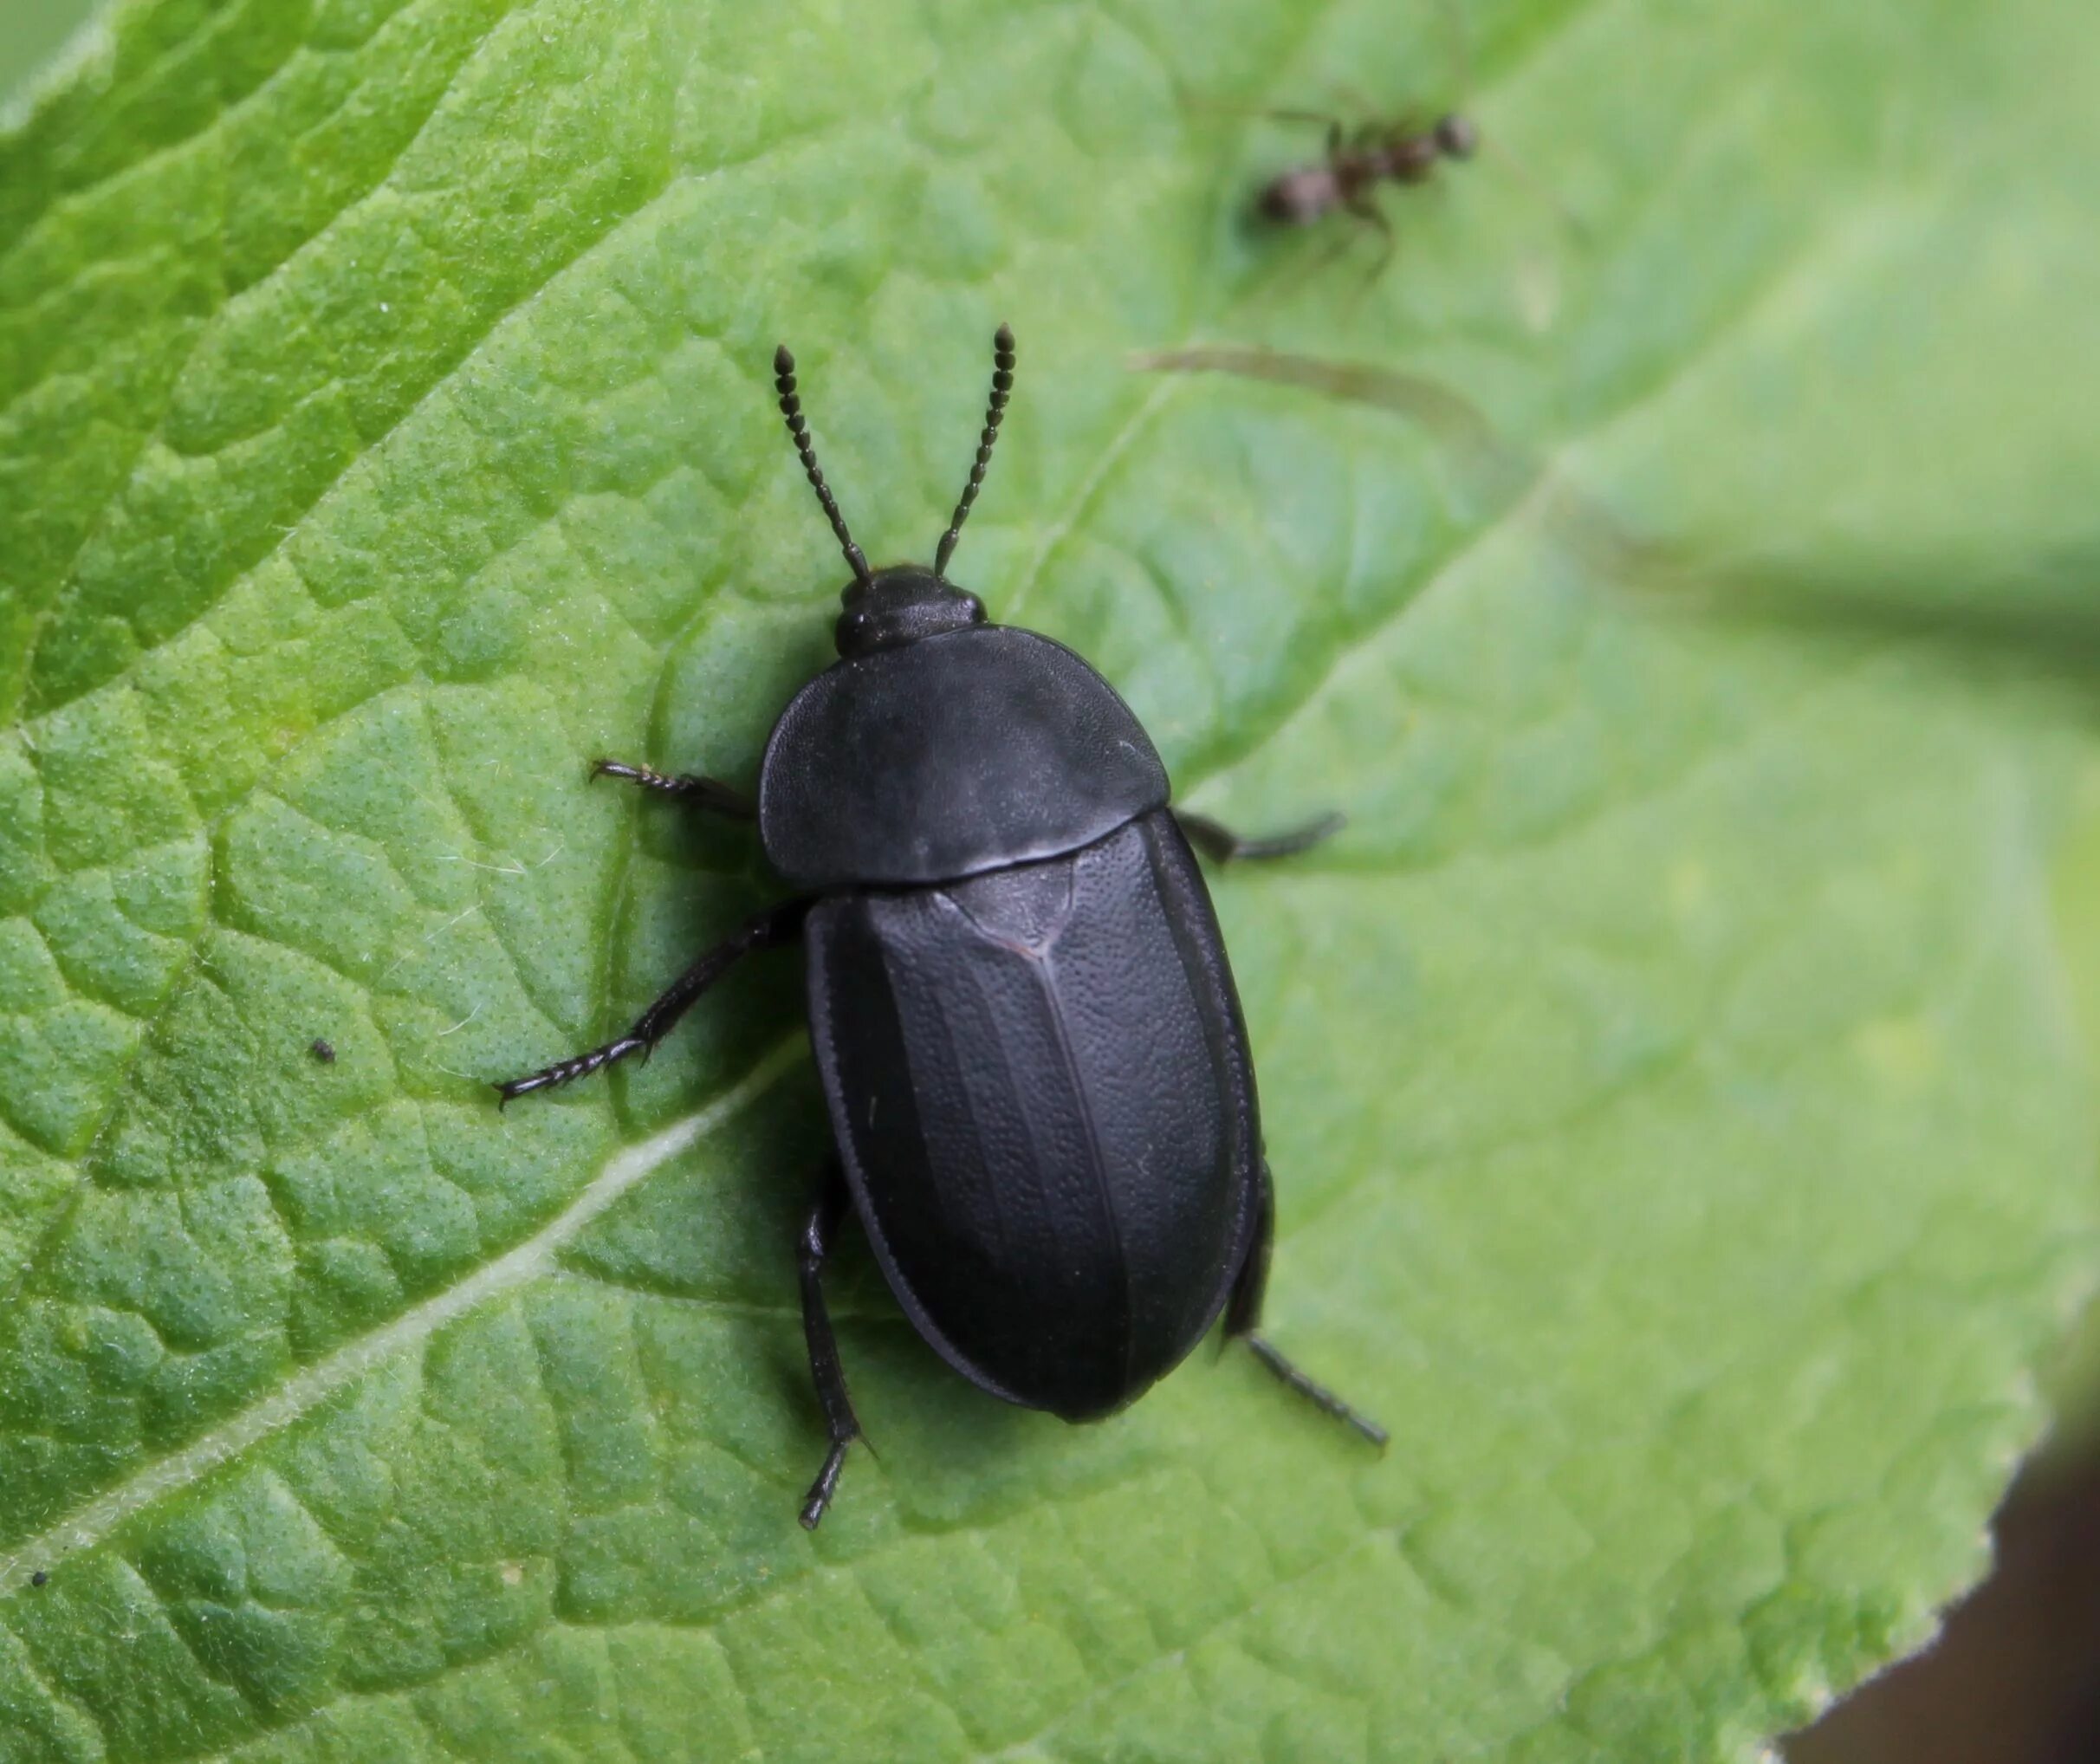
{"x": 824, "y": 1367}
{"x": 708, "y": 792}
{"x": 778, "y": 925}
{"x": 1222, "y": 844}
{"x": 1243, "y": 1320}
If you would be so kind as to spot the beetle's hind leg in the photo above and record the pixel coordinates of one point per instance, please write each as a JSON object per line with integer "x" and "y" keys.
{"x": 1243, "y": 1320}
{"x": 778, "y": 925}
{"x": 829, "y": 1376}
{"x": 704, "y": 793}
{"x": 1223, "y": 845}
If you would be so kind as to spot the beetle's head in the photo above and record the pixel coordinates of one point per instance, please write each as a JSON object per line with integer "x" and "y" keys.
{"x": 901, "y": 605}
{"x": 888, "y": 608}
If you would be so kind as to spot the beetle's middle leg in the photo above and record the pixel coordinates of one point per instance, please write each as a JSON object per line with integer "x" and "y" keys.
{"x": 839, "y": 1420}
{"x": 1223, "y": 845}
{"x": 707, "y": 793}
{"x": 778, "y": 924}
{"x": 1243, "y": 1321}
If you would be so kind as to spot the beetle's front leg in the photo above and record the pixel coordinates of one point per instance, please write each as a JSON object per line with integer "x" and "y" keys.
{"x": 1223, "y": 845}
{"x": 778, "y": 925}
{"x": 824, "y": 1368}
{"x": 706, "y": 793}
{"x": 1243, "y": 1320}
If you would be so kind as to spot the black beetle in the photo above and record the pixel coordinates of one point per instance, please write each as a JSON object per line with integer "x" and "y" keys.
{"x": 1036, "y": 1068}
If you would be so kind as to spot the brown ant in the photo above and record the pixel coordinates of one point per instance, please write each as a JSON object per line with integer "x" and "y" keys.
{"x": 1357, "y": 163}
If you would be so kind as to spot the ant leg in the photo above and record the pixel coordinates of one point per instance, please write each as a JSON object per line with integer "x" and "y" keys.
{"x": 778, "y": 925}
{"x": 1309, "y": 264}
{"x": 1364, "y": 209}
{"x": 1352, "y": 98}
{"x": 708, "y": 792}
{"x": 1223, "y": 845}
{"x": 1308, "y": 118}
{"x": 1367, "y": 210}
{"x": 1243, "y": 1320}
{"x": 824, "y": 1368}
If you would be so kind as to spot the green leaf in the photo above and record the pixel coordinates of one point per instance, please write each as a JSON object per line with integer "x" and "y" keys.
{"x": 1678, "y": 1077}
{"x": 30, "y": 36}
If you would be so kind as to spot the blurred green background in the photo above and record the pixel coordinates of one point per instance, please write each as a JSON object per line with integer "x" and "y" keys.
{"x": 30, "y": 32}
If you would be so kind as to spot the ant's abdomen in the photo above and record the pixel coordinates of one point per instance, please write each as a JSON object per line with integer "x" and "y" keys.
{"x": 1300, "y": 198}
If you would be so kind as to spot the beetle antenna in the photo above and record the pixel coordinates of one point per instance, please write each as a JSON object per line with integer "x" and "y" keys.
{"x": 1002, "y": 383}
{"x": 797, "y": 432}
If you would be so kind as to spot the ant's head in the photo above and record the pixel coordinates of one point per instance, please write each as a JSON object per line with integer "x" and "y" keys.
{"x": 1457, "y": 138}
{"x": 901, "y": 605}
{"x": 886, "y": 608}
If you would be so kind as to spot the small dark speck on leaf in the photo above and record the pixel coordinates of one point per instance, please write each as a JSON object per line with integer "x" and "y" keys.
{"x": 324, "y": 1052}
{"x": 38, "y": 1577}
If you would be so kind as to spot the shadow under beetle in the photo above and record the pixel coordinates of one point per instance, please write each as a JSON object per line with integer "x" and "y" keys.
{"x": 1034, "y": 1057}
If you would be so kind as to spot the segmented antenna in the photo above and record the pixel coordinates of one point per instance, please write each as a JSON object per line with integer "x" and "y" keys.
{"x": 797, "y": 431}
{"x": 1002, "y": 383}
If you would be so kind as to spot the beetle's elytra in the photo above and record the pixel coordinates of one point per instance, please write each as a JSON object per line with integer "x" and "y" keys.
{"x": 1019, "y": 999}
